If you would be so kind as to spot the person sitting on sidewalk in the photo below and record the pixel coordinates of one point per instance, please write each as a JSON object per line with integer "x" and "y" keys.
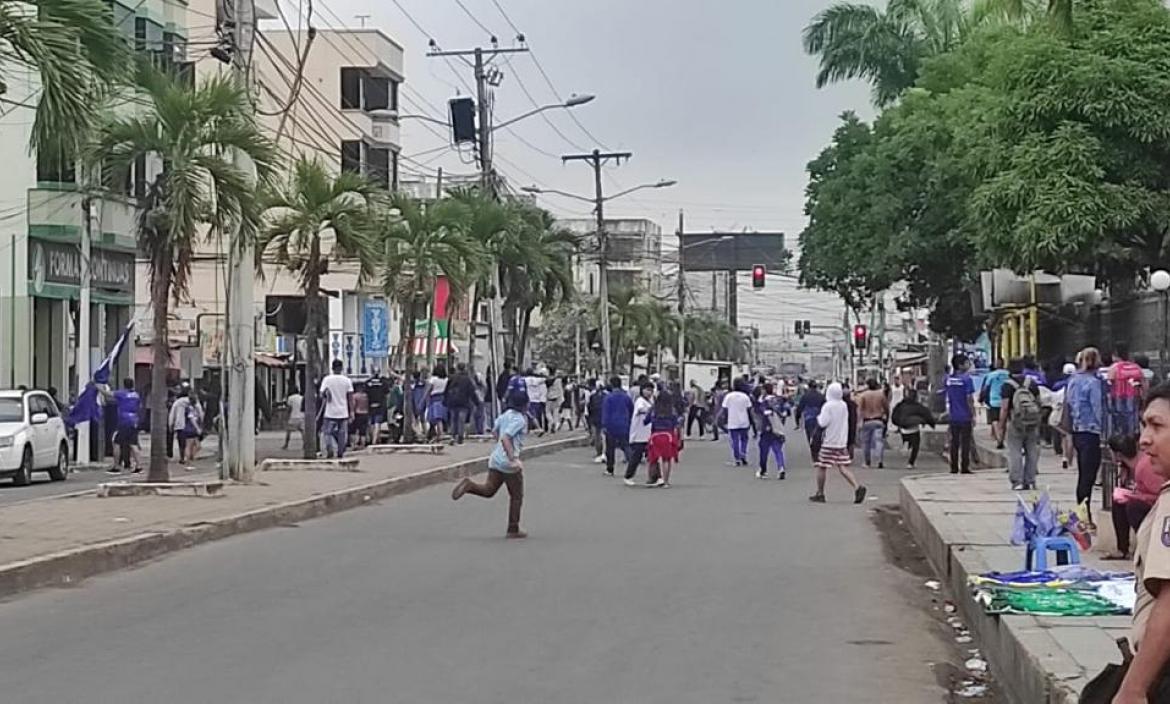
{"x": 1019, "y": 426}
{"x": 504, "y": 465}
{"x": 1135, "y": 497}
{"x": 1146, "y": 676}
{"x": 909, "y": 416}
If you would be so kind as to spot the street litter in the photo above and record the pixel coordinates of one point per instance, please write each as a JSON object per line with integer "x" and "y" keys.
{"x": 976, "y": 665}
{"x": 932, "y": 585}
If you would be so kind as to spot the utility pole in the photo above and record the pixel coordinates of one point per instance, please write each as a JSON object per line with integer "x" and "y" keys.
{"x": 241, "y": 425}
{"x": 597, "y": 159}
{"x": 682, "y": 300}
{"x": 881, "y": 337}
{"x": 482, "y": 59}
{"x": 83, "y": 312}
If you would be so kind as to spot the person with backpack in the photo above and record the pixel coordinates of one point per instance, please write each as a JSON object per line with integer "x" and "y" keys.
{"x": 1127, "y": 386}
{"x": 1019, "y": 426}
{"x": 1084, "y": 401}
{"x": 959, "y": 390}
{"x": 770, "y": 421}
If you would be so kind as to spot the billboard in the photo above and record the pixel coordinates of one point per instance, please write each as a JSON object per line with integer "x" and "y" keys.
{"x": 731, "y": 251}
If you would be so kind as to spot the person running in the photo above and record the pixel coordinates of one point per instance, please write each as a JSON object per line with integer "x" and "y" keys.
{"x": 504, "y": 465}
{"x": 834, "y": 419}
{"x": 1019, "y": 425}
{"x": 1084, "y": 401}
{"x": 616, "y": 410}
{"x": 296, "y": 416}
{"x": 736, "y": 417}
{"x": 807, "y": 410}
{"x": 991, "y": 396}
{"x": 639, "y": 430}
{"x": 663, "y": 450}
{"x": 959, "y": 390}
{"x": 770, "y": 421}
{"x": 908, "y": 417}
{"x": 337, "y": 393}
{"x": 874, "y": 407}
{"x": 128, "y": 407}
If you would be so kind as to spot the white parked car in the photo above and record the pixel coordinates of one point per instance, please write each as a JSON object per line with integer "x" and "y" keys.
{"x": 32, "y": 437}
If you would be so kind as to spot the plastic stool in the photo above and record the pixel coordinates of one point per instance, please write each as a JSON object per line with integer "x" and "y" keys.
{"x": 1064, "y": 547}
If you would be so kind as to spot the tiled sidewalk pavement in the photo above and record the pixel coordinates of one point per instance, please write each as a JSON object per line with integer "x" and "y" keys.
{"x": 964, "y": 524}
{"x": 32, "y": 531}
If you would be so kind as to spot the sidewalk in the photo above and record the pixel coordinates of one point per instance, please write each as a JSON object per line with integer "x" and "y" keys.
{"x": 964, "y": 525}
{"x": 60, "y": 540}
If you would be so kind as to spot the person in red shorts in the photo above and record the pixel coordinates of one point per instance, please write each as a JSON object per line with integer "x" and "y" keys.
{"x": 662, "y": 451}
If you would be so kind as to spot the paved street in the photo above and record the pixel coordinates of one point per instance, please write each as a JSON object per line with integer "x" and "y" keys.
{"x": 724, "y": 588}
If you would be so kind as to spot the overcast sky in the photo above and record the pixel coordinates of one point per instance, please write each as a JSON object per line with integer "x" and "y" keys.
{"x": 716, "y": 94}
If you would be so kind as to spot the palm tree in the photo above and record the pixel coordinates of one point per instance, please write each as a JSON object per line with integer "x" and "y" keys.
{"x": 543, "y": 273}
{"x": 493, "y": 225}
{"x": 315, "y": 218}
{"x": 78, "y": 53}
{"x": 420, "y": 242}
{"x": 886, "y": 48}
{"x": 192, "y": 133}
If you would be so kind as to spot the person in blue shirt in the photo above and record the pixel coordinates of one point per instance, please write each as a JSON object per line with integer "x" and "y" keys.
{"x": 616, "y": 411}
{"x": 1084, "y": 402}
{"x": 504, "y": 465}
{"x": 992, "y": 396}
{"x": 959, "y": 391}
{"x": 807, "y": 410}
{"x": 770, "y": 411}
{"x": 128, "y": 405}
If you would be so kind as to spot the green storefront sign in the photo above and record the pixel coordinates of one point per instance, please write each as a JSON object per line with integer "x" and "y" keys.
{"x": 54, "y": 271}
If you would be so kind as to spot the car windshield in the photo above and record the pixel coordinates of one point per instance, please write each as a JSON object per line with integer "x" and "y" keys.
{"x": 10, "y": 411}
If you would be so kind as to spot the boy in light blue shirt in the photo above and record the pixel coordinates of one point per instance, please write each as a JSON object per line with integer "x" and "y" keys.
{"x": 504, "y": 465}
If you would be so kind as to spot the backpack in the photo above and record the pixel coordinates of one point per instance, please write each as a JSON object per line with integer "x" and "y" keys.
{"x": 1025, "y": 409}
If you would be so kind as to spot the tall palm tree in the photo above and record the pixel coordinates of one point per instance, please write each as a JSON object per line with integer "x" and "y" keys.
{"x": 313, "y": 219}
{"x": 886, "y": 47}
{"x": 77, "y": 51}
{"x": 192, "y": 133}
{"x": 420, "y": 242}
{"x": 493, "y": 225}
{"x": 544, "y": 271}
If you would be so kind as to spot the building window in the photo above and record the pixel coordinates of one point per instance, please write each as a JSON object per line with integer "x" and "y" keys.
{"x": 351, "y": 156}
{"x": 378, "y": 166}
{"x": 376, "y": 93}
{"x": 140, "y": 34}
{"x": 351, "y": 88}
{"x": 56, "y": 168}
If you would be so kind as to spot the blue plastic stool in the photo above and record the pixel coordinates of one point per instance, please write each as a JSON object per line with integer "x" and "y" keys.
{"x": 1064, "y": 547}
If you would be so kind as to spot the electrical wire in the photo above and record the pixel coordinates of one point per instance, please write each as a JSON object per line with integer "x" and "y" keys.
{"x": 474, "y": 18}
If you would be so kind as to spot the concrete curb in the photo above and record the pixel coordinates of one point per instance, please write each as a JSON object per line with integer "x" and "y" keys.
{"x": 1022, "y": 653}
{"x": 68, "y": 567}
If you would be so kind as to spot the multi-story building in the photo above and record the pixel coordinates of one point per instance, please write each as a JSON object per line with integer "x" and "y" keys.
{"x": 635, "y": 255}
{"x": 45, "y": 206}
{"x": 345, "y": 114}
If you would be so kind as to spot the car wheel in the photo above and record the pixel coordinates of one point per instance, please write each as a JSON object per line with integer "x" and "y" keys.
{"x": 59, "y": 471}
{"x": 23, "y": 476}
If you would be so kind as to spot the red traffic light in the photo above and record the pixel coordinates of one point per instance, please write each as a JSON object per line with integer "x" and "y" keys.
{"x": 759, "y": 276}
{"x": 860, "y": 337}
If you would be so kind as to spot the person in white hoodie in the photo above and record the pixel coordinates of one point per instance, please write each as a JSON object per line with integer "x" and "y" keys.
{"x": 834, "y": 423}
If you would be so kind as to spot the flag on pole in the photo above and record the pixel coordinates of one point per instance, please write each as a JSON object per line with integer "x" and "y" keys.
{"x": 87, "y": 407}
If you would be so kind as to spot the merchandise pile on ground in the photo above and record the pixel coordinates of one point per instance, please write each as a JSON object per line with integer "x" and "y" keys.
{"x": 1071, "y": 590}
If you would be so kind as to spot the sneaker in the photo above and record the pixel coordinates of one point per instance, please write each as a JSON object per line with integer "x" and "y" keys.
{"x": 966, "y": 471}
{"x": 1064, "y": 464}
{"x": 599, "y": 459}
{"x": 817, "y": 498}
{"x": 607, "y": 473}
{"x": 664, "y": 485}
{"x": 659, "y": 482}
{"x": 630, "y": 482}
{"x": 881, "y": 465}
{"x": 1019, "y": 487}
{"x": 460, "y": 489}
{"x": 136, "y": 470}
{"x": 113, "y": 470}
{"x": 760, "y": 475}
{"x": 781, "y": 474}
{"x": 516, "y": 535}
{"x": 909, "y": 465}
{"x": 859, "y": 494}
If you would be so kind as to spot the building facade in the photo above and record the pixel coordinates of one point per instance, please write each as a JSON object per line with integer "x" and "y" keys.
{"x": 635, "y": 255}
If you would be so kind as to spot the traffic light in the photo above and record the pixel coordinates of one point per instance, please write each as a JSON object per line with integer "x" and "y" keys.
{"x": 860, "y": 337}
{"x": 808, "y": 327}
{"x": 800, "y": 329}
{"x": 758, "y": 276}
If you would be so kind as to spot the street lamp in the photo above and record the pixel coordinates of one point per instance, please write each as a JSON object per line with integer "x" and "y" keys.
{"x": 1160, "y": 282}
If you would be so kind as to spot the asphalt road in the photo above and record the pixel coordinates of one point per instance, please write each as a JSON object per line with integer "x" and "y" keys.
{"x": 723, "y": 588}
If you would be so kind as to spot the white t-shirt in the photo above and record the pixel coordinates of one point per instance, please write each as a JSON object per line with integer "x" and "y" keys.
{"x": 537, "y": 389}
{"x": 336, "y": 389}
{"x": 438, "y": 386}
{"x": 737, "y": 404}
{"x": 639, "y": 428}
{"x": 296, "y": 407}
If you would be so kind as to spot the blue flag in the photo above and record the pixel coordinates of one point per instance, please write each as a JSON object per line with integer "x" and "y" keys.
{"x": 88, "y": 408}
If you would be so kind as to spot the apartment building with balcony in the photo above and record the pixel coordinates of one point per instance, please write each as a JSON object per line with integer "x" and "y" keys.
{"x": 634, "y": 255}
{"x": 46, "y": 205}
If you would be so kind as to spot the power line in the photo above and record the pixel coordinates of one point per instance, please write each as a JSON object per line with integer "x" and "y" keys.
{"x": 474, "y": 18}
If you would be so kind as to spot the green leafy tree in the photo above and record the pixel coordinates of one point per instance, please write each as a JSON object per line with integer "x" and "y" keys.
{"x": 199, "y": 192}
{"x": 313, "y": 219}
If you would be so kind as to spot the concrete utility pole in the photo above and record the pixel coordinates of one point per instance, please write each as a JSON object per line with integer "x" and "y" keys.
{"x": 83, "y": 313}
{"x": 682, "y": 302}
{"x": 240, "y": 360}
{"x": 597, "y": 159}
{"x": 483, "y": 58}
